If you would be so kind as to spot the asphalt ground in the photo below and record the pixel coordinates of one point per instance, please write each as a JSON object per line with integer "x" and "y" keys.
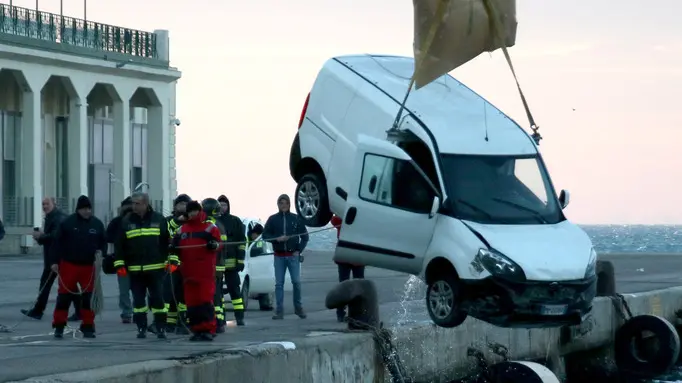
{"x": 30, "y": 350}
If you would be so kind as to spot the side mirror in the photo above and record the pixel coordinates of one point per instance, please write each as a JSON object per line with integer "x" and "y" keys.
{"x": 434, "y": 207}
{"x": 564, "y": 198}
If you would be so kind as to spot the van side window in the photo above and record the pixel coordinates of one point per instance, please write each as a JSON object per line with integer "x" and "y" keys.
{"x": 396, "y": 183}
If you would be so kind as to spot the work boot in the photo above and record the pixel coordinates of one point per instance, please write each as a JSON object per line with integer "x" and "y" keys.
{"x": 141, "y": 333}
{"x": 59, "y": 332}
{"x": 301, "y": 314}
{"x": 239, "y": 317}
{"x": 32, "y": 314}
{"x": 126, "y": 320}
{"x": 220, "y": 328}
{"x": 206, "y": 337}
{"x": 278, "y": 316}
{"x": 161, "y": 334}
{"x": 88, "y": 331}
{"x": 171, "y": 328}
{"x": 153, "y": 328}
{"x": 88, "y": 334}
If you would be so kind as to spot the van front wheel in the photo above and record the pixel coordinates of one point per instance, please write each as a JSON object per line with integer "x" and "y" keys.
{"x": 443, "y": 301}
{"x": 312, "y": 202}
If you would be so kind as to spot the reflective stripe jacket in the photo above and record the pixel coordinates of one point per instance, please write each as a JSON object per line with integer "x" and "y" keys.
{"x": 143, "y": 242}
{"x": 220, "y": 255}
{"x": 173, "y": 226}
{"x": 234, "y": 253}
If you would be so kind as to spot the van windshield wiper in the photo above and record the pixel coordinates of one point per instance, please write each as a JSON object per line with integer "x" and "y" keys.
{"x": 536, "y": 214}
{"x": 474, "y": 208}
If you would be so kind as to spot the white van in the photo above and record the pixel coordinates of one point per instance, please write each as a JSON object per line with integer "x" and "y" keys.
{"x": 458, "y": 195}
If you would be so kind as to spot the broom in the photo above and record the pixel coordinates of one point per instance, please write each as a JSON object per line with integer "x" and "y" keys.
{"x": 97, "y": 301}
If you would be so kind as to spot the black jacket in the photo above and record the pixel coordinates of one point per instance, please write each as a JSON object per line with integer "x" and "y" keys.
{"x": 288, "y": 224}
{"x": 77, "y": 240}
{"x": 52, "y": 221}
{"x": 222, "y": 254}
{"x": 236, "y": 232}
{"x": 142, "y": 243}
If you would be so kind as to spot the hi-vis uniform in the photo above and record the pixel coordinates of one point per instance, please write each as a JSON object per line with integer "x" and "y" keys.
{"x": 173, "y": 293}
{"x": 234, "y": 262}
{"x": 142, "y": 249}
{"x": 218, "y": 298}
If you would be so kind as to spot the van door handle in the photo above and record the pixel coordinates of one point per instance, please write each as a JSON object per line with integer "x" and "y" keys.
{"x": 350, "y": 215}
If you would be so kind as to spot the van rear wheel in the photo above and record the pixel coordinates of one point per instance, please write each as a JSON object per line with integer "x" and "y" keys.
{"x": 443, "y": 301}
{"x": 312, "y": 202}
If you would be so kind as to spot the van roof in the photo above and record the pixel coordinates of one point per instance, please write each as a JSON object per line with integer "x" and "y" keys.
{"x": 457, "y": 116}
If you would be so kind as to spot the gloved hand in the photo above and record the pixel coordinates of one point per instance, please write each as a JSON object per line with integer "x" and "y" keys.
{"x": 240, "y": 267}
{"x": 212, "y": 245}
{"x": 171, "y": 268}
{"x": 121, "y": 272}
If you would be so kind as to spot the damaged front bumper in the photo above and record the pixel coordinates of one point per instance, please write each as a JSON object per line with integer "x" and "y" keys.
{"x": 506, "y": 303}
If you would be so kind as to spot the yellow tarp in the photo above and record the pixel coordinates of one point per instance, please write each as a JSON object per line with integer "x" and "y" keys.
{"x": 453, "y": 32}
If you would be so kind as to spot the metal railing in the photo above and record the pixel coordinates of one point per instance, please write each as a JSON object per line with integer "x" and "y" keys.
{"x": 18, "y": 211}
{"x": 66, "y": 30}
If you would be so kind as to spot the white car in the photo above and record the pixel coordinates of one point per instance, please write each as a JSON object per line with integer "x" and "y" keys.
{"x": 453, "y": 191}
{"x": 258, "y": 277}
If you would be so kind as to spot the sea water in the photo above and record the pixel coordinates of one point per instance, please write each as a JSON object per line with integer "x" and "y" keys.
{"x": 605, "y": 238}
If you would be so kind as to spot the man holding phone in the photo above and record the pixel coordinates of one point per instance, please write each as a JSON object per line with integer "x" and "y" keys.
{"x": 45, "y": 238}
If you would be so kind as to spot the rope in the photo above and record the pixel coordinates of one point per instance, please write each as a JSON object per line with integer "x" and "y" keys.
{"x": 498, "y": 34}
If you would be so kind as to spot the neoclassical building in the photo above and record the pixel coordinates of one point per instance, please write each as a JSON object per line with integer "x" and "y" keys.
{"x": 85, "y": 108}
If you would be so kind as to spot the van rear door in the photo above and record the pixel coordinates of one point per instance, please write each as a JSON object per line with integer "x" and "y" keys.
{"x": 387, "y": 221}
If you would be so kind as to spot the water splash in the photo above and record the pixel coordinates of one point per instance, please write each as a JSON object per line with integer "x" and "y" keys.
{"x": 414, "y": 290}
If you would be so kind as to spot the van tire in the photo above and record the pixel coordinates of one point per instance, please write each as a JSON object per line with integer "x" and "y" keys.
{"x": 448, "y": 287}
{"x": 313, "y": 188}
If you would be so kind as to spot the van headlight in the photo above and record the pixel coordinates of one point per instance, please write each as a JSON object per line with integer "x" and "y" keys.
{"x": 591, "y": 270}
{"x": 499, "y": 265}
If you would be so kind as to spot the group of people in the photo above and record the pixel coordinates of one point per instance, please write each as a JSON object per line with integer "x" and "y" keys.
{"x": 174, "y": 266}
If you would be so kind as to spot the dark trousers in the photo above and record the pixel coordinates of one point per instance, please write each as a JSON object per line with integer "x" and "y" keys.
{"x": 141, "y": 283}
{"x": 233, "y": 281}
{"x": 219, "y": 300}
{"x": 71, "y": 277}
{"x": 46, "y": 281}
{"x": 345, "y": 270}
{"x": 173, "y": 295}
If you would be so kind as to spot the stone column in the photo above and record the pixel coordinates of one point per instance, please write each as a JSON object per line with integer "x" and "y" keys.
{"x": 158, "y": 158}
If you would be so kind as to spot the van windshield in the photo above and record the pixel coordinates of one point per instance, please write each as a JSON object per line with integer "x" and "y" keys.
{"x": 511, "y": 190}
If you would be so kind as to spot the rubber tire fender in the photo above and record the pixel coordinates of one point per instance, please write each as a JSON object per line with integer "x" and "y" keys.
{"x": 324, "y": 214}
{"x": 520, "y": 372}
{"x": 665, "y": 357}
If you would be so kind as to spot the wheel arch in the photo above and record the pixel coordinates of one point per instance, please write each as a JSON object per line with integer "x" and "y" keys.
{"x": 308, "y": 165}
{"x": 438, "y": 266}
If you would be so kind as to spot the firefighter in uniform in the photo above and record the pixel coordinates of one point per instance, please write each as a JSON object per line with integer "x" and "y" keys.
{"x": 173, "y": 294}
{"x": 142, "y": 251}
{"x": 196, "y": 243}
{"x": 234, "y": 261}
{"x": 212, "y": 209}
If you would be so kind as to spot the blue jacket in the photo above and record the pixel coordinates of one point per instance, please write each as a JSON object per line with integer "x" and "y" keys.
{"x": 288, "y": 224}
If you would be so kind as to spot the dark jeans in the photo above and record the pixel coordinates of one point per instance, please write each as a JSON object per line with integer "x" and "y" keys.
{"x": 345, "y": 270}
{"x": 46, "y": 281}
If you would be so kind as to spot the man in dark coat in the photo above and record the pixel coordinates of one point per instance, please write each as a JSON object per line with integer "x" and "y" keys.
{"x": 45, "y": 238}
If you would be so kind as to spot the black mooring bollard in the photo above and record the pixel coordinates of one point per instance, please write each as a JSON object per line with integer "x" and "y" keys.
{"x": 360, "y": 295}
{"x": 606, "y": 279}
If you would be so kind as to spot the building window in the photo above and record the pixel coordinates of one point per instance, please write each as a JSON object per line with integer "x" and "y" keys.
{"x": 9, "y": 137}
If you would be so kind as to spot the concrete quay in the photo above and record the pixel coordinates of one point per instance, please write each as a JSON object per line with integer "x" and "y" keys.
{"x": 317, "y": 349}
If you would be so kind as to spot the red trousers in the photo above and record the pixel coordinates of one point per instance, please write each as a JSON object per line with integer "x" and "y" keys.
{"x": 71, "y": 276}
{"x": 199, "y": 294}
